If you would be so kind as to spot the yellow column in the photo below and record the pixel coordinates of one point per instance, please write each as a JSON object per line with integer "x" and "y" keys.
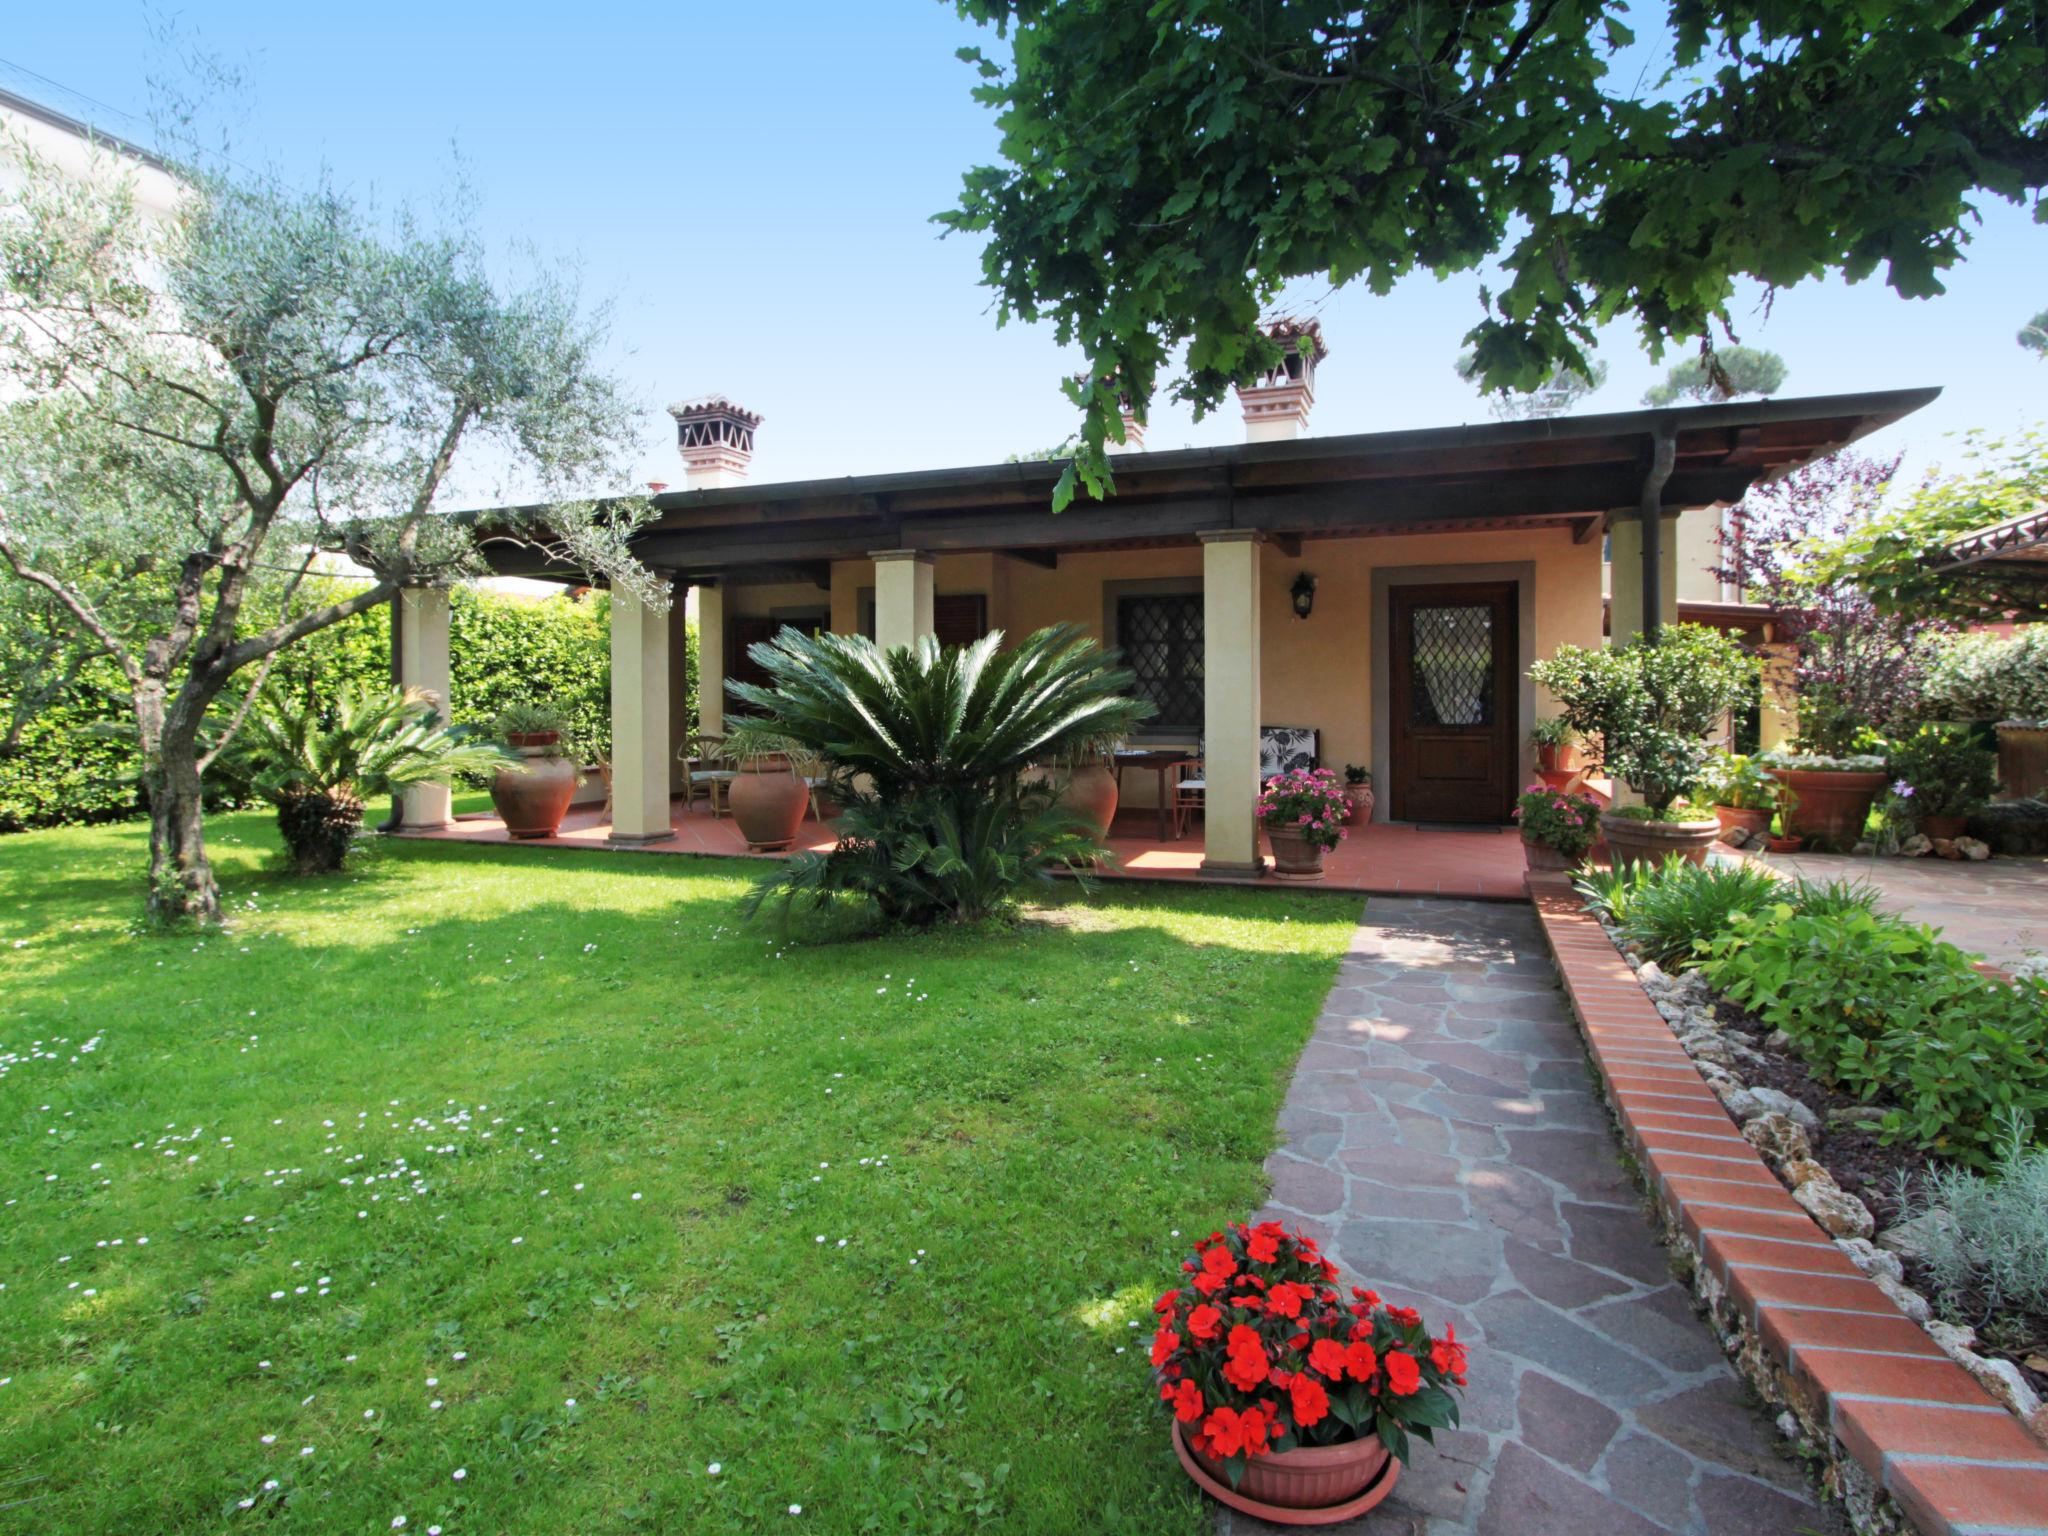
{"x": 1230, "y": 709}
{"x": 903, "y": 596}
{"x": 640, "y": 752}
{"x": 711, "y": 661}
{"x": 1626, "y": 574}
{"x": 423, "y": 665}
{"x": 1778, "y": 719}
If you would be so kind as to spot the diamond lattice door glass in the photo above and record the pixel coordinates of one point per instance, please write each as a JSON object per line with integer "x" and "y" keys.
{"x": 1452, "y": 649}
{"x": 1160, "y": 635}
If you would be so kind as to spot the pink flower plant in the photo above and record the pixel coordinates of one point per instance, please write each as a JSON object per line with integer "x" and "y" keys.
{"x": 1312, "y": 800}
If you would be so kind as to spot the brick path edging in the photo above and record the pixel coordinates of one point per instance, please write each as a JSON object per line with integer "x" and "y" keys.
{"x": 1904, "y": 1429}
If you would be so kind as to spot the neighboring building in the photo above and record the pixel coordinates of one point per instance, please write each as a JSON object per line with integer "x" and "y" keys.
{"x": 1384, "y": 593}
{"x": 81, "y": 150}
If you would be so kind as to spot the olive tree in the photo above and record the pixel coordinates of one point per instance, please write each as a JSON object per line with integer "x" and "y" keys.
{"x": 193, "y": 408}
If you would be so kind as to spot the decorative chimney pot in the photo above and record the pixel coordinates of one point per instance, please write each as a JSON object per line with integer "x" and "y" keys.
{"x": 716, "y": 439}
{"x": 1278, "y": 405}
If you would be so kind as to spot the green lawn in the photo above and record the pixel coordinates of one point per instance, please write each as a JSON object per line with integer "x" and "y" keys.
{"x": 544, "y": 1167}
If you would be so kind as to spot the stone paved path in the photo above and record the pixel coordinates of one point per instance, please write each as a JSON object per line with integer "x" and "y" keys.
{"x": 1444, "y": 1141}
{"x": 1998, "y": 909}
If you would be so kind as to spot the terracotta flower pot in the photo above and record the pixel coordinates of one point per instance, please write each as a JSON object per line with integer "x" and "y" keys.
{"x": 1310, "y": 1485}
{"x": 1557, "y": 778}
{"x": 1564, "y": 761}
{"x": 1731, "y": 817}
{"x": 1294, "y": 856}
{"x": 1090, "y": 794}
{"x": 1633, "y": 841}
{"x": 1543, "y": 856}
{"x": 768, "y": 807}
{"x": 1785, "y": 844}
{"x": 2022, "y": 763}
{"x": 1830, "y": 806}
{"x": 519, "y": 740}
{"x": 1941, "y": 829}
{"x": 1360, "y": 796}
{"x": 533, "y": 798}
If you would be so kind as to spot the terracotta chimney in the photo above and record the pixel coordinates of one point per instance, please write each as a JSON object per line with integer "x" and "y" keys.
{"x": 1278, "y": 405}
{"x": 716, "y": 438}
{"x": 1134, "y": 429}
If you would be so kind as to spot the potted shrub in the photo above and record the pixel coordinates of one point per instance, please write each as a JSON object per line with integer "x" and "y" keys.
{"x": 1943, "y": 774}
{"x": 1304, "y": 811}
{"x": 1558, "y": 828}
{"x": 1828, "y": 795}
{"x": 532, "y": 795}
{"x": 1558, "y": 759}
{"x": 1650, "y": 704}
{"x": 1983, "y": 676}
{"x": 317, "y": 762}
{"x": 1358, "y": 790}
{"x": 771, "y": 791}
{"x": 1744, "y": 795}
{"x": 1289, "y": 1401}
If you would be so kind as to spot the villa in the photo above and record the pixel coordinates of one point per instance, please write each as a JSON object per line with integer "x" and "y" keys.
{"x": 1375, "y": 598}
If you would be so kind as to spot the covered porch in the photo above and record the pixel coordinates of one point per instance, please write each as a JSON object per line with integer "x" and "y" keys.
{"x": 1384, "y": 859}
{"x": 1374, "y": 599}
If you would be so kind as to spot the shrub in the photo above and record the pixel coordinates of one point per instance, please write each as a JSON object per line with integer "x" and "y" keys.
{"x": 317, "y": 761}
{"x": 1667, "y": 911}
{"x": 926, "y": 747}
{"x": 1306, "y": 801}
{"x": 1651, "y": 704}
{"x": 1568, "y": 823}
{"x": 1258, "y": 1353}
{"x": 1942, "y": 770}
{"x": 1553, "y": 731}
{"x": 1738, "y": 782}
{"x": 527, "y": 718}
{"x": 1987, "y": 1234}
{"x": 1885, "y": 1008}
{"x": 1983, "y": 676}
{"x": 1831, "y": 898}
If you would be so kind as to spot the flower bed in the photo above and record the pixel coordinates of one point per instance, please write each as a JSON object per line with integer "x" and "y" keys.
{"x": 1897, "y": 1429}
{"x": 1862, "y": 1056}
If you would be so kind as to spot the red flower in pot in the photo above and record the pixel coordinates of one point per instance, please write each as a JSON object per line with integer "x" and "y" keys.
{"x": 1283, "y": 1394}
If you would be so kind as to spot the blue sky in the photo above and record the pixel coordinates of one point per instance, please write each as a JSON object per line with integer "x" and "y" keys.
{"x": 751, "y": 186}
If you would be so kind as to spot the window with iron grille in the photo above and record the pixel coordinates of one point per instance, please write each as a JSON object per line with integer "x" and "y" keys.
{"x": 1160, "y": 635}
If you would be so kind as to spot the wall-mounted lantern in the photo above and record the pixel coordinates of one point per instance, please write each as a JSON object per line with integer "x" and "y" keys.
{"x": 1304, "y": 594}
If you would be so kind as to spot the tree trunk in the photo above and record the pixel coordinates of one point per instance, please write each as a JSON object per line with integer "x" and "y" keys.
{"x": 181, "y": 884}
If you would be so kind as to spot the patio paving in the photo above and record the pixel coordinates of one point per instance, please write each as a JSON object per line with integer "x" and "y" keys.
{"x": 1997, "y": 908}
{"x": 1445, "y": 1142}
{"x": 1480, "y": 863}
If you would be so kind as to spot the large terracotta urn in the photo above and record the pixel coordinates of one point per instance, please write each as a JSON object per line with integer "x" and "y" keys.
{"x": 1089, "y": 794}
{"x": 1294, "y": 856}
{"x": 1829, "y": 806}
{"x": 768, "y": 804}
{"x": 532, "y": 798}
{"x": 2022, "y": 762}
{"x": 1361, "y": 798}
{"x": 1632, "y": 840}
{"x": 1755, "y": 823}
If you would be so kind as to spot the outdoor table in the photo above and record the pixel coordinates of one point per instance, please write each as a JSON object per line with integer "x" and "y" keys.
{"x": 1162, "y": 761}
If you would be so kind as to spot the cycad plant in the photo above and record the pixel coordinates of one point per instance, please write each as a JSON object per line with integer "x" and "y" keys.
{"x": 928, "y": 748}
{"x": 318, "y": 761}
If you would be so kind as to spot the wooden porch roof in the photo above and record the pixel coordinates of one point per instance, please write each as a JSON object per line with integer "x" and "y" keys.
{"x": 1572, "y": 471}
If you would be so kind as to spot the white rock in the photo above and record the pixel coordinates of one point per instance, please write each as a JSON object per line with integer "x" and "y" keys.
{"x": 1918, "y": 846}
{"x": 1955, "y": 1339}
{"x": 1873, "y": 1261}
{"x": 1785, "y": 1104}
{"x": 1736, "y": 1099}
{"x": 1914, "y": 1239}
{"x": 1778, "y": 1137}
{"x": 1908, "y": 1300}
{"x": 1840, "y": 1213}
{"x": 2002, "y": 1379}
{"x": 1973, "y": 848}
{"x": 1777, "y": 1040}
{"x": 1654, "y": 980}
{"x": 1671, "y": 1012}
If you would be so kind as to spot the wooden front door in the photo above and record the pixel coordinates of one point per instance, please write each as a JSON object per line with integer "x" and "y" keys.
{"x": 1452, "y": 711}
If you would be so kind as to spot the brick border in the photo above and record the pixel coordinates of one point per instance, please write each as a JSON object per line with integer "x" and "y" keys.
{"x": 1893, "y": 1414}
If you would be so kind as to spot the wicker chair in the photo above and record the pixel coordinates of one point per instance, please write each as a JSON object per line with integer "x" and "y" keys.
{"x": 704, "y": 774}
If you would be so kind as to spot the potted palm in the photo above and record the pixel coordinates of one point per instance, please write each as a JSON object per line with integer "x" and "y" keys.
{"x": 929, "y": 750}
{"x": 1650, "y": 703}
{"x": 317, "y": 762}
{"x": 1288, "y": 1399}
{"x": 1744, "y": 795}
{"x": 1943, "y": 775}
{"x": 772, "y": 790}
{"x": 1558, "y": 759}
{"x": 532, "y": 795}
{"x": 1304, "y": 811}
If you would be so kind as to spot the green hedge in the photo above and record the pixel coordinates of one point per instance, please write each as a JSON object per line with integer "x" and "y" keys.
{"x": 76, "y": 762}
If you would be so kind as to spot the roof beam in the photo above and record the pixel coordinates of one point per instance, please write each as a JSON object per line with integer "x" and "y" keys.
{"x": 1044, "y": 559}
